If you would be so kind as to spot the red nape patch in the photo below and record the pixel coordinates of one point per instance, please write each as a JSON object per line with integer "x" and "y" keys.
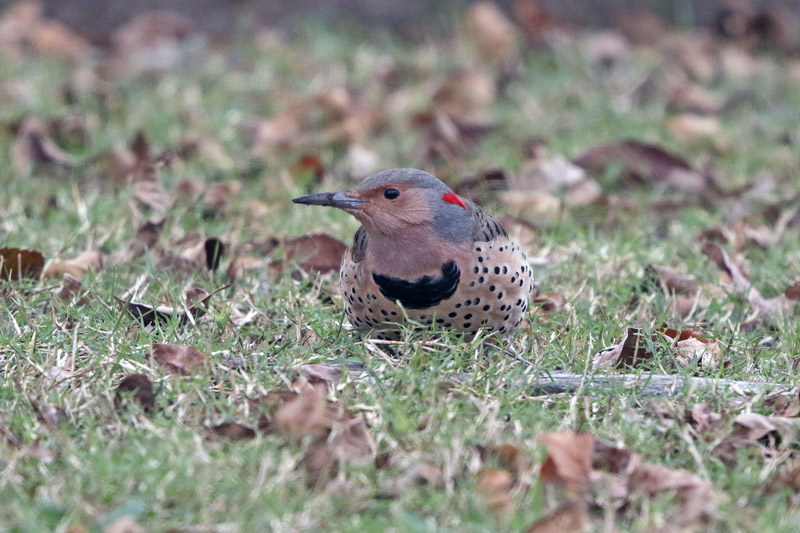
{"x": 452, "y": 198}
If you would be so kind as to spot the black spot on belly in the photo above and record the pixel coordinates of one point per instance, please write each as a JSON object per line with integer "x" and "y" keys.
{"x": 423, "y": 292}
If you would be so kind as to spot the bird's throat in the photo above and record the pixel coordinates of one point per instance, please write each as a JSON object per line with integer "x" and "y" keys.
{"x": 412, "y": 255}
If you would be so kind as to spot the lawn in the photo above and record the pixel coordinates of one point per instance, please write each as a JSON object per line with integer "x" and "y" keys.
{"x": 147, "y": 151}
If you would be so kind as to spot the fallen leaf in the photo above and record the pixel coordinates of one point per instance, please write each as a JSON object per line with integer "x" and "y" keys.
{"x": 643, "y": 163}
{"x": 34, "y": 146}
{"x": 629, "y": 351}
{"x": 750, "y": 429}
{"x": 606, "y": 47}
{"x": 354, "y": 444}
{"x": 139, "y": 387}
{"x": 569, "y": 462}
{"x": 318, "y": 252}
{"x": 494, "y": 34}
{"x": 177, "y": 359}
{"x": 17, "y": 264}
{"x": 536, "y": 22}
{"x": 308, "y": 165}
{"x": 559, "y": 177}
{"x": 304, "y": 415}
{"x": 217, "y": 195}
{"x": 571, "y": 517}
{"x": 77, "y": 267}
{"x": 690, "y": 129}
{"x": 465, "y": 94}
{"x": 51, "y": 415}
{"x": 550, "y": 301}
{"x": 693, "y": 98}
{"x": 322, "y": 373}
{"x": 243, "y": 263}
{"x": 675, "y": 282}
{"x": 693, "y": 494}
{"x": 152, "y": 43}
{"x": 704, "y": 419}
{"x": 781, "y": 304}
{"x": 70, "y": 288}
{"x": 232, "y": 431}
{"x": 495, "y": 484}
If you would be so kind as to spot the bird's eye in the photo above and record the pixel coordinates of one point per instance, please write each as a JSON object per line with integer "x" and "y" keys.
{"x": 391, "y": 194}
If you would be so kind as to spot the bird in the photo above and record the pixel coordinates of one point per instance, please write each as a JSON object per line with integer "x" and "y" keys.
{"x": 425, "y": 254}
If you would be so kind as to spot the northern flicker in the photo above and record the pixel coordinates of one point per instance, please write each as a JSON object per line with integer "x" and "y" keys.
{"x": 424, "y": 253}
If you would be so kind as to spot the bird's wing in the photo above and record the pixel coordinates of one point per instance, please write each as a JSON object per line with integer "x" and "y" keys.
{"x": 359, "y": 245}
{"x": 486, "y": 228}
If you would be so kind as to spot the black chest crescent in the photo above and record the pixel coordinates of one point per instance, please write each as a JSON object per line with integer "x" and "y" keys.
{"x": 423, "y": 292}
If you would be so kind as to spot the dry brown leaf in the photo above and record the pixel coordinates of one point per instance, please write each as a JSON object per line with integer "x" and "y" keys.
{"x": 605, "y": 47}
{"x": 70, "y": 288}
{"x": 53, "y": 38}
{"x": 354, "y": 444}
{"x": 630, "y": 351}
{"x": 306, "y": 414}
{"x": 569, "y": 462}
{"x": 692, "y": 98}
{"x": 494, "y": 34}
{"x": 77, "y": 267}
{"x": 550, "y": 301}
{"x": 784, "y": 405}
{"x": 613, "y": 460}
{"x": 495, "y": 484}
{"x": 218, "y": 194}
{"x": 690, "y": 129}
{"x": 139, "y": 387}
{"x": 151, "y": 43}
{"x": 781, "y": 304}
{"x": 318, "y": 252}
{"x": 177, "y": 359}
{"x": 232, "y": 431}
{"x": 51, "y": 415}
{"x": 17, "y": 264}
{"x": 308, "y": 165}
{"x": 693, "y": 494}
{"x": 560, "y": 178}
{"x": 751, "y": 429}
{"x": 571, "y": 517}
{"x": 244, "y": 263}
{"x": 322, "y": 373}
{"x": 149, "y": 190}
{"x": 124, "y": 524}
{"x": 535, "y": 20}
{"x": 465, "y": 95}
{"x": 675, "y": 282}
{"x": 32, "y": 145}
{"x": 643, "y": 163}
{"x": 704, "y": 419}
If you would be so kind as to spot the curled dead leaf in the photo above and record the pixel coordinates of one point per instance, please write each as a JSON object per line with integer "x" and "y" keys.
{"x": 318, "y": 252}
{"x": 352, "y": 444}
{"x": 175, "y": 359}
{"x": 572, "y": 517}
{"x": 17, "y": 264}
{"x": 77, "y": 267}
{"x": 643, "y": 163}
{"x": 306, "y": 414}
{"x": 494, "y": 34}
{"x": 495, "y": 484}
{"x": 569, "y": 462}
{"x": 232, "y": 431}
{"x": 139, "y": 387}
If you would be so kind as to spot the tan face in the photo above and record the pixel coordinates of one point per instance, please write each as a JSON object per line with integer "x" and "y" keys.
{"x": 393, "y": 207}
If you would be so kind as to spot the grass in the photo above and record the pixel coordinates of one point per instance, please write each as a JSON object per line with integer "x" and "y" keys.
{"x": 424, "y": 403}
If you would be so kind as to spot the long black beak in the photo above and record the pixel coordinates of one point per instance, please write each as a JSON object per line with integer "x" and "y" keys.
{"x": 331, "y": 199}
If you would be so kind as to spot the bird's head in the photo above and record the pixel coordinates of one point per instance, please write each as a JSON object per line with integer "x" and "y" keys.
{"x": 393, "y": 202}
